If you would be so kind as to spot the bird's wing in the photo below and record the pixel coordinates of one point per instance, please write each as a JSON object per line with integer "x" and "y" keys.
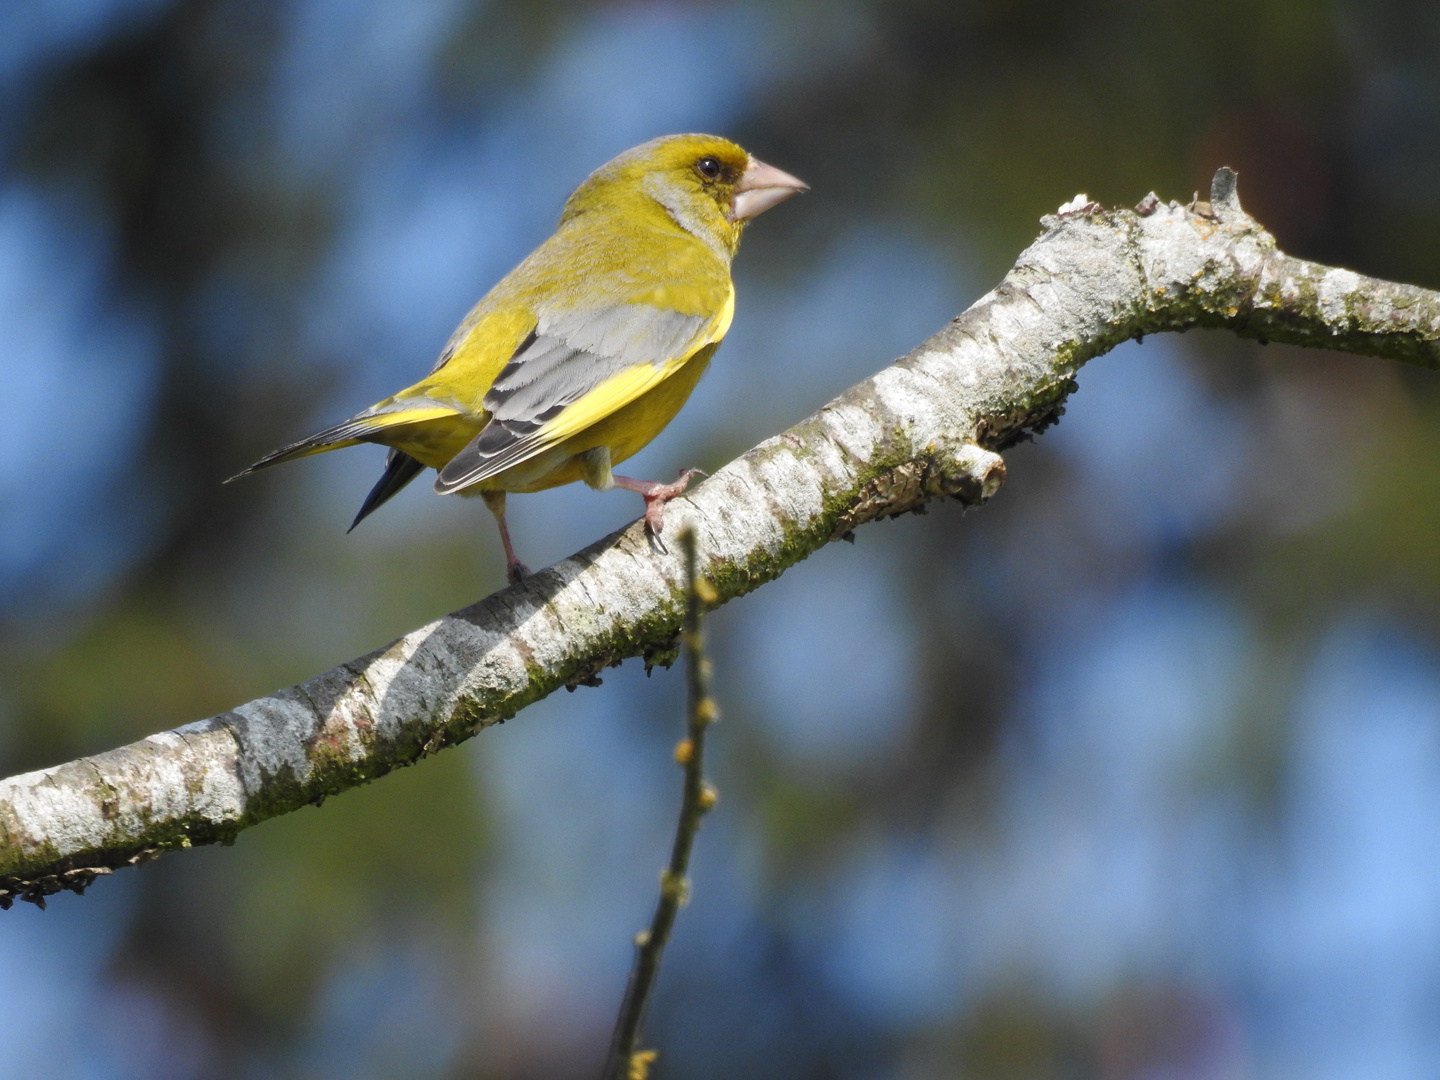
{"x": 571, "y": 372}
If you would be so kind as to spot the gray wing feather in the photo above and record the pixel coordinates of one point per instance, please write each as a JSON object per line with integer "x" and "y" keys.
{"x": 570, "y": 355}
{"x": 562, "y": 360}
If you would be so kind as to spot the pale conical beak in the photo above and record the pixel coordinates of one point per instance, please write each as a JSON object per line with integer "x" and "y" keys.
{"x": 761, "y": 187}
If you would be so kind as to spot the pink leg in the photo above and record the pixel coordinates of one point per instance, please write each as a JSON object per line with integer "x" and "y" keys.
{"x": 515, "y": 570}
{"x": 656, "y": 495}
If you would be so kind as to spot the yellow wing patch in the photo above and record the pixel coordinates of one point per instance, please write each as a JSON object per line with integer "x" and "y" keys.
{"x": 380, "y": 421}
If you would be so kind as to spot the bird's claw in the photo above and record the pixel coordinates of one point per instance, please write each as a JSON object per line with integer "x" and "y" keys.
{"x": 660, "y": 494}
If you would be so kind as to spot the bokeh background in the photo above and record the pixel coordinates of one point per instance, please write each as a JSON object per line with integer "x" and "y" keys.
{"x": 1133, "y": 774}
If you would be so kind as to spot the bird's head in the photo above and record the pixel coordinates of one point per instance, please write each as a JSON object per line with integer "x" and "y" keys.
{"x": 705, "y": 184}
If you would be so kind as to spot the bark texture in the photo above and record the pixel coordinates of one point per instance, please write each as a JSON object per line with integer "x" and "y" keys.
{"x": 928, "y": 426}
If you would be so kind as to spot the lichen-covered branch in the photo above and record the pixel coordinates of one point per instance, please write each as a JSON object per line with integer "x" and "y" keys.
{"x": 928, "y": 426}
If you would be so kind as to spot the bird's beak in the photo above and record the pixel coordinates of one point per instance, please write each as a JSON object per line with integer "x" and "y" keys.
{"x": 761, "y": 187}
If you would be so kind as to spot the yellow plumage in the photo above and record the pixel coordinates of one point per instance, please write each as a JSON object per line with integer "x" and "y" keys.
{"x": 583, "y": 353}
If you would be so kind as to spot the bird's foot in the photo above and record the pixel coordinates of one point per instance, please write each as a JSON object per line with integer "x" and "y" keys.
{"x": 656, "y": 495}
{"x": 516, "y": 571}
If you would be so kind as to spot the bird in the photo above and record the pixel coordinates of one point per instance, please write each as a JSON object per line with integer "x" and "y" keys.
{"x": 585, "y": 351}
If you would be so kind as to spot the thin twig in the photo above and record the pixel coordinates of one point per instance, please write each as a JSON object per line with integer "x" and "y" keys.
{"x": 624, "y": 1061}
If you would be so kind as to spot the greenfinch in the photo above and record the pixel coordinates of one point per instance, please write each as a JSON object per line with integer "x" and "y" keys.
{"x": 587, "y": 349}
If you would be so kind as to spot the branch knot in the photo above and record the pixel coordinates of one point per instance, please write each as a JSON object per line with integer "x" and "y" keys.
{"x": 972, "y": 475}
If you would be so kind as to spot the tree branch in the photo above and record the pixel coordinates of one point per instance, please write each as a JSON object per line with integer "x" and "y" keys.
{"x": 928, "y": 426}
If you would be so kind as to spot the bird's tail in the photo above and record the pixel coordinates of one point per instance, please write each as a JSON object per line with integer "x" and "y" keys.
{"x": 400, "y": 469}
{"x": 368, "y": 426}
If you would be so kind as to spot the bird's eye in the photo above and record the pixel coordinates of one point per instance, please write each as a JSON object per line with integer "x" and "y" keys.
{"x": 708, "y": 167}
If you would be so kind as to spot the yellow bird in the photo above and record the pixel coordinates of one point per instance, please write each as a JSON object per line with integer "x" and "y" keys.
{"x": 587, "y": 349}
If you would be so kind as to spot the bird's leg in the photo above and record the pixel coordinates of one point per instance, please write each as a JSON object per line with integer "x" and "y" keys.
{"x": 595, "y": 469}
{"x": 515, "y": 570}
{"x": 656, "y": 495}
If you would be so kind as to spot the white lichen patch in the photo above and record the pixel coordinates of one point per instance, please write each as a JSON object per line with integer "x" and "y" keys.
{"x": 851, "y": 428}
{"x": 906, "y": 394}
{"x": 186, "y": 771}
{"x": 38, "y": 811}
{"x": 1334, "y": 293}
